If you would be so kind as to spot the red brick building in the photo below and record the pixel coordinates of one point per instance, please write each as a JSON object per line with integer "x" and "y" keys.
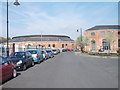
{"x": 98, "y": 35}
{"x": 35, "y": 41}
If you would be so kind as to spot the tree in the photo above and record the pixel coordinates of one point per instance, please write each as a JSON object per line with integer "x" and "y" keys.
{"x": 3, "y": 40}
{"x": 82, "y": 42}
{"x": 110, "y": 38}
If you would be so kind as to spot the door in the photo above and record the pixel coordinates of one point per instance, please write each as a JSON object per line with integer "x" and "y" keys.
{"x": 93, "y": 48}
{"x": 106, "y": 45}
{"x": 7, "y": 71}
{"x": 29, "y": 58}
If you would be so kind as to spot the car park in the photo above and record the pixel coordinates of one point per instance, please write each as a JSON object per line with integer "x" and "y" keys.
{"x": 36, "y": 54}
{"x": 7, "y": 70}
{"x": 21, "y": 60}
{"x": 50, "y": 53}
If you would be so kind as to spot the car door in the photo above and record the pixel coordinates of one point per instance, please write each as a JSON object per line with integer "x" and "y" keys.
{"x": 7, "y": 71}
{"x": 40, "y": 55}
{"x": 29, "y": 58}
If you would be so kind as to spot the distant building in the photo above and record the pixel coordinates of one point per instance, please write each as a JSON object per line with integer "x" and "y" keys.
{"x": 97, "y": 37}
{"x": 20, "y": 43}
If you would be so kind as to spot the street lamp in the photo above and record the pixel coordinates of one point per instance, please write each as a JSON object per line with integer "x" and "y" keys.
{"x": 15, "y": 3}
{"x": 80, "y": 37}
{"x": 81, "y": 32}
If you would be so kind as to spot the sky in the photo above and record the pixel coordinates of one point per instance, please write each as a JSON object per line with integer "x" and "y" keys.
{"x": 57, "y": 18}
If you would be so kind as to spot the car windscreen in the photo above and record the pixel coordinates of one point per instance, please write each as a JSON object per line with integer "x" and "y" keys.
{"x": 32, "y": 51}
{"x": 48, "y": 51}
{"x": 17, "y": 55}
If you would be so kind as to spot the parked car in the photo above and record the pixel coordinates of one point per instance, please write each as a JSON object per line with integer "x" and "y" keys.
{"x": 7, "y": 70}
{"x": 45, "y": 54}
{"x": 55, "y": 51}
{"x": 76, "y": 50}
{"x": 21, "y": 60}
{"x": 65, "y": 50}
{"x": 50, "y": 53}
{"x": 58, "y": 50}
{"x": 71, "y": 50}
{"x": 36, "y": 54}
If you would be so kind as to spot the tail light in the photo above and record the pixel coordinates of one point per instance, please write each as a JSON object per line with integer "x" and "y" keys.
{"x": 36, "y": 56}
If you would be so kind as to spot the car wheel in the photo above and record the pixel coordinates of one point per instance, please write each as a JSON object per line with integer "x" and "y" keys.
{"x": 24, "y": 67}
{"x": 32, "y": 64}
{"x": 14, "y": 73}
{"x": 39, "y": 62}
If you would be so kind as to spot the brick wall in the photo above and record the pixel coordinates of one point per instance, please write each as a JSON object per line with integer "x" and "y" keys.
{"x": 98, "y": 38}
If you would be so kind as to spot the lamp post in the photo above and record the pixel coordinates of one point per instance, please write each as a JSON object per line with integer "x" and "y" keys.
{"x": 80, "y": 32}
{"x": 80, "y": 37}
{"x": 15, "y": 3}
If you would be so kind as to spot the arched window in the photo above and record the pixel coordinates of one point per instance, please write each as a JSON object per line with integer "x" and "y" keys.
{"x": 118, "y": 33}
{"x": 92, "y": 33}
{"x": 53, "y": 45}
{"x": 93, "y": 45}
{"x": 49, "y": 45}
{"x": 66, "y": 45}
{"x": 119, "y": 43}
{"x": 62, "y": 45}
{"x": 106, "y": 45}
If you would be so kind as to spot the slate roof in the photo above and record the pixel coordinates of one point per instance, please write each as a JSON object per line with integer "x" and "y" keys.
{"x": 104, "y": 27}
{"x": 41, "y": 38}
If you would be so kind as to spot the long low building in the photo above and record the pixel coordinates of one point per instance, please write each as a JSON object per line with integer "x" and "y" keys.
{"x": 35, "y": 41}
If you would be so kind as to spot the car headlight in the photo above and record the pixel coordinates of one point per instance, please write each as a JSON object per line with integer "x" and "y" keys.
{"x": 19, "y": 62}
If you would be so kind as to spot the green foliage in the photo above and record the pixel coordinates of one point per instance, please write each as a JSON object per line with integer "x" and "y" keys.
{"x": 84, "y": 42}
{"x": 118, "y": 51}
{"x": 111, "y": 38}
{"x": 3, "y": 40}
{"x": 103, "y": 54}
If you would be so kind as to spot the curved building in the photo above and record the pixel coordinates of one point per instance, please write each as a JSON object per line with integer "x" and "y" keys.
{"x": 48, "y": 41}
{"x": 98, "y": 37}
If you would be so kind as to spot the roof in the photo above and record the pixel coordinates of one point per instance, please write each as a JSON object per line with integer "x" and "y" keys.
{"x": 41, "y": 38}
{"x": 104, "y": 27}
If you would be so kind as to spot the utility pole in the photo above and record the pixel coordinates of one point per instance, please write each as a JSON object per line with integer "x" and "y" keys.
{"x": 81, "y": 33}
{"x": 15, "y": 3}
{"x": 7, "y": 32}
{"x": 80, "y": 37}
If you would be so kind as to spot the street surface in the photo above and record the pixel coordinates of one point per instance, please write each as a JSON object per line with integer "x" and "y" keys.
{"x": 69, "y": 70}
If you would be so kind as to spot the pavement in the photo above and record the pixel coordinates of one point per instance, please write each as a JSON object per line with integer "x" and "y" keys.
{"x": 69, "y": 70}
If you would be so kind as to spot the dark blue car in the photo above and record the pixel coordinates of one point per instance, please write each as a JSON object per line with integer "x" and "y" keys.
{"x": 21, "y": 60}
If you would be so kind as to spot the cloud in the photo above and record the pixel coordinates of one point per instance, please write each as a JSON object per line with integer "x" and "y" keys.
{"x": 59, "y": 18}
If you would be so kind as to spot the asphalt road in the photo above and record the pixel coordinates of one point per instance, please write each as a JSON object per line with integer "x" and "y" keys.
{"x": 69, "y": 70}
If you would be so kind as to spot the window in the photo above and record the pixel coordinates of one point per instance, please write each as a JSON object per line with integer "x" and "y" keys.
{"x": 102, "y": 33}
{"x": 53, "y": 45}
{"x": 66, "y": 45}
{"x": 106, "y": 45}
{"x": 93, "y": 45}
{"x": 109, "y": 33}
{"x": 119, "y": 43}
{"x": 49, "y": 45}
{"x": 62, "y": 45}
{"x": 118, "y": 33}
{"x": 92, "y": 34}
